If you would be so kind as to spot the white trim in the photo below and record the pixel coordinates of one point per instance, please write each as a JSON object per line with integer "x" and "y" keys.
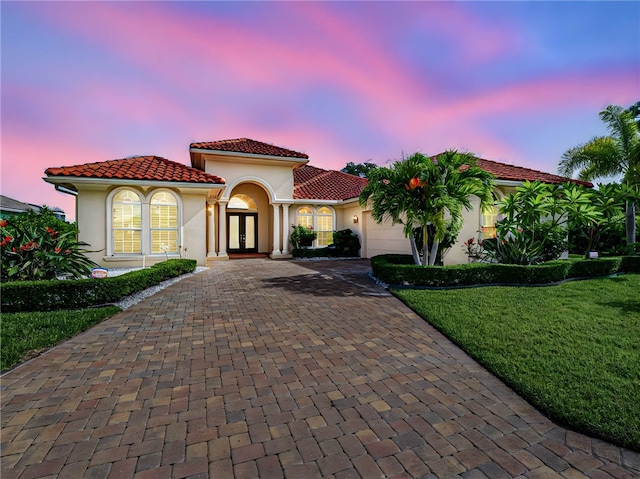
{"x": 236, "y": 154}
{"x": 178, "y": 198}
{"x": 137, "y": 183}
{"x": 226, "y": 195}
{"x": 145, "y": 218}
{"x": 109, "y": 207}
{"x": 508, "y": 183}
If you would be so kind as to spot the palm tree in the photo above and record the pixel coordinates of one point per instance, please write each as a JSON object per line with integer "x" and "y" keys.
{"x": 427, "y": 195}
{"x": 616, "y": 154}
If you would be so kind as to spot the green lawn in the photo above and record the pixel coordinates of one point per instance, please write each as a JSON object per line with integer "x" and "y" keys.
{"x": 571, "y": 350}
{"x": 27, "y": 334}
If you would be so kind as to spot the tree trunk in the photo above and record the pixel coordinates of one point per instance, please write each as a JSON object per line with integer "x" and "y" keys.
{"x": 434, "y": 253}
{"x": 631, "y": 222}
{"x": 414, "y": 249}
{"x": 425, "y": 246}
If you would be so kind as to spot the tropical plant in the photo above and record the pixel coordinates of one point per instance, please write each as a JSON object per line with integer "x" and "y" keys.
{"x": 533, "y": 226}
{"x": 427, "y": 196}
{"x": 35, "y": 251}
{"x": 595, "y": 213}
{"x": 612, "y": 155}
{"x": 302, "y": 236}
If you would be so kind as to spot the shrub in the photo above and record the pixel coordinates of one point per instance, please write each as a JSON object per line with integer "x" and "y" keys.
{"x": 302, "y": 236}
{"x": 346, "y": 243}
{"x": 591, "y": 268}
{"x": 313, "y": 253}
{"x": 630, "y": 264}
{"x": 399, "y": 269}
{"x": 18, "y": 296}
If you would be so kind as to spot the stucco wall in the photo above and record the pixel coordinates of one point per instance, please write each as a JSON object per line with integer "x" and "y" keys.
{"x": 278, "y": 176}
{"x": 382, "y": 238}
{"x": 194, "y": 227}
{"x": 344, "y": 220}
{"x": 91, "y": 217}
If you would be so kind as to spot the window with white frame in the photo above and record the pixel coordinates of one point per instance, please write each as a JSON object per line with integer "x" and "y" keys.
{"x": 324, "y": 226}
{"x": 305, "y": 217}
{"x": 489, "y": 219}
{"x": 319, "y": 220}
{"x": 163, "y": 215}
{"x": 126, "y": 223}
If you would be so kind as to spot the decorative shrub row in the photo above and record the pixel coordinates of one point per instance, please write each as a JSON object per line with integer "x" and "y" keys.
{"x": 400, "y": 270}
{"x": 52, "y": 295}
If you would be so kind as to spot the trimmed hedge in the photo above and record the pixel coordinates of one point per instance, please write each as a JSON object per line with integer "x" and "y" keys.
{"x": 630, "y": 264}
{"x": 589, "y": 268}
{"x": 19, "y": 296}
{"x": 400, "y": 270}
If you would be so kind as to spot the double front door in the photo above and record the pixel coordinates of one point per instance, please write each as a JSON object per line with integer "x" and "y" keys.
{"x": 243, "y": 232}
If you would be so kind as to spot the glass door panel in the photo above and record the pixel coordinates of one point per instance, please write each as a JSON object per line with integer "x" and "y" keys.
{"x": 243, "y": 232}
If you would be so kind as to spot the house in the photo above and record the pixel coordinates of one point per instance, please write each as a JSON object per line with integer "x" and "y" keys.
{"x": 10, "y": 207}
{"x": 238, "y": 196}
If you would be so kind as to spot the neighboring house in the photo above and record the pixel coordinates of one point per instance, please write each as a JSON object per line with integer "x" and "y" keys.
{"x": 238, "y": 196}
{"x": 10, "y": 207}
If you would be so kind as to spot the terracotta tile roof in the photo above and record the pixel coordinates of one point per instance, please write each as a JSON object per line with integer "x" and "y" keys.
{"x": 139, "y": 168}
{"x": 246, "y": 145}
{"x": 503, "y": 171}
{"x": 317, "y": 184}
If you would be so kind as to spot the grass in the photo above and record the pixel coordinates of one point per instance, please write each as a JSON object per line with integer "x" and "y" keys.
{"x": 25, "y": 335}
{"x": 572, "y": 350}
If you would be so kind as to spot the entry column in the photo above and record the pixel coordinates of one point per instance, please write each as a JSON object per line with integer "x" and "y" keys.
{"x": 222, "y": 228}
{"x": 285, "y": 228}
{"x": 276, "y": 230}
{"x": 211, "y": 230}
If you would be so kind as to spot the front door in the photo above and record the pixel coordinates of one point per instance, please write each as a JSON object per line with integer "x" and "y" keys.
{"x": 243, "y": 232}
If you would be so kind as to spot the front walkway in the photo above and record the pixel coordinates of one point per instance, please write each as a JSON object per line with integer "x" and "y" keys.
{"x": 260, "y": 368}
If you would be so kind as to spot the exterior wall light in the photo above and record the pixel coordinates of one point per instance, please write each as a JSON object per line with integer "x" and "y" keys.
{"x": 355, "y": 219}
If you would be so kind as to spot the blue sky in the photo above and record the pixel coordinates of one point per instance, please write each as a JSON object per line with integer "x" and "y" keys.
{"x": 518, "y": 82}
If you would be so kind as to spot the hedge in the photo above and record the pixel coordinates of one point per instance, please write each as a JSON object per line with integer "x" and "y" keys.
{"x": 630, "y": 264}
{"x": 21, "y": 296}
{"x": 400, "y": 270}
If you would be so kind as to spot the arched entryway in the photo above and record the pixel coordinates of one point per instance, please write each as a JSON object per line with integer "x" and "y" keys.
{"x": 242, "y": 224}
{"x": 248, "y": 220}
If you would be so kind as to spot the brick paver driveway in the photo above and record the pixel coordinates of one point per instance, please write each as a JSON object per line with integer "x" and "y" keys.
{"x": 269, "y": 369}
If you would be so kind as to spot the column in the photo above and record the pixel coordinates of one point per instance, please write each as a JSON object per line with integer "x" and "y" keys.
{"x": 222, "y": 228}
{"x": 285, "y": 228}
{"x": 276, "y": 230}
{"x": 211, "y": 230}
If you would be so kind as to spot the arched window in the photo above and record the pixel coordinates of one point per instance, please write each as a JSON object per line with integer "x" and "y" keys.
{"x": 324, "y": 226}
{"x": 489, "y": 218}
{"x": 305, "y": 217}
{"x": 163, "y": 215}
{"x": 126, "y": 223}
{"x": 242, "y": 202}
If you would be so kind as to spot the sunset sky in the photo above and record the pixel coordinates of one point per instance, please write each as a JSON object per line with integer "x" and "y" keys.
{"x": 518, "y": 82}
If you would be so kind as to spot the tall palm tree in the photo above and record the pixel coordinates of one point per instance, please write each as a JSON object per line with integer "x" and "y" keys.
{"x": 616, "y": 154}
{"x": 428, "y": 195}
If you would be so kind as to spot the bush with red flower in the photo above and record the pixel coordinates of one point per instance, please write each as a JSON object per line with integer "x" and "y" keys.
{"x": 38, "y": 246}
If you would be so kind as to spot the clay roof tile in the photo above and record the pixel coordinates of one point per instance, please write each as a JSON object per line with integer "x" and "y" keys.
{"x": 247, "y": 145}
{"x": 143, "y": 168}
